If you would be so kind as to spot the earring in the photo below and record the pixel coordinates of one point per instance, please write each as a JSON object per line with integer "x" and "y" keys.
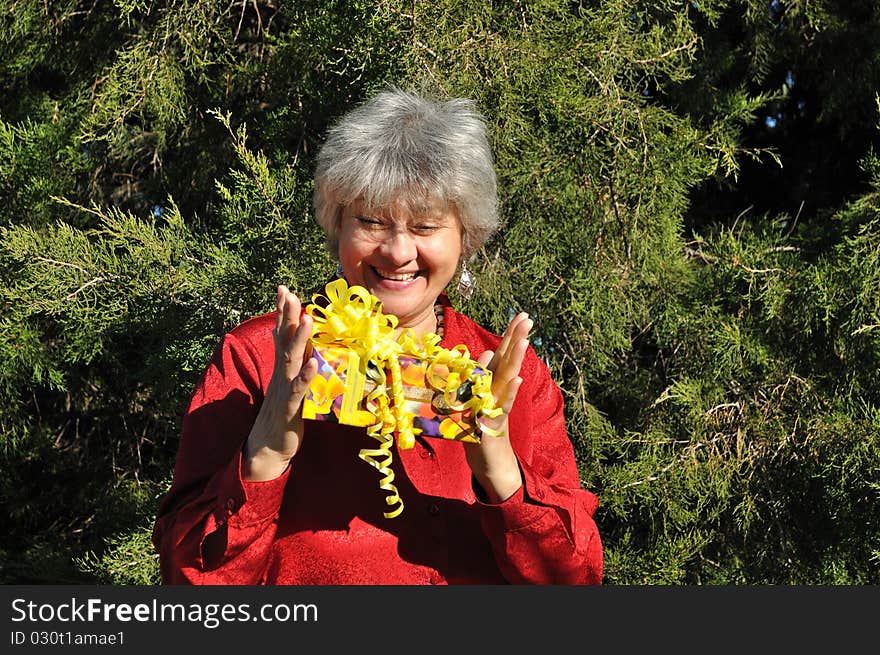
{"x": 466, "y": 283}
{"x": 338, "y": 270}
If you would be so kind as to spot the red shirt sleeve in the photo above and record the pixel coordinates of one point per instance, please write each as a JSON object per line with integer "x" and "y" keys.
{"x": 545, "y": 533}
{"x": 212, "y": 527}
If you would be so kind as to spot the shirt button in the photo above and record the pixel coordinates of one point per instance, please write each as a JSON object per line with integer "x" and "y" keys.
{"x": 539, "y": 494}
{"x": 433, "y": 509}
{"x": 230, "y": 504}
{"x": 425, "y": 454}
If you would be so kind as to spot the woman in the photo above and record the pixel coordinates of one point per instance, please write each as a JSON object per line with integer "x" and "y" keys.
{"x": 404, "y": 190}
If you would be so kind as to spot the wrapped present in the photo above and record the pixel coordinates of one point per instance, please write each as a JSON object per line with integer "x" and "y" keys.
{"x": 391, "y": 382}
{"x": 344, "y": 385}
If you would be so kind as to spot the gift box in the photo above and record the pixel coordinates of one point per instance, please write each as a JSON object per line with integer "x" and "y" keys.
{"x": 370, "y": 374}
{"x": 345, "y": 388}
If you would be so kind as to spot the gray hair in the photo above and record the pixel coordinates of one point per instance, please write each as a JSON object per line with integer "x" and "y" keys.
{"x": 403, "y": 147}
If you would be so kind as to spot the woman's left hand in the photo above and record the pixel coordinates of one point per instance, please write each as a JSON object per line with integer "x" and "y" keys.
{"x": 493, "y": 461}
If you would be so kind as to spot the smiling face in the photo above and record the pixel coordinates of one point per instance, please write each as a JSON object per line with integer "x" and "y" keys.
{"x": 405, "y": 256}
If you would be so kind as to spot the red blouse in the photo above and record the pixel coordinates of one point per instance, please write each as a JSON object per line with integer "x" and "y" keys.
{"x": 321, "y": 522}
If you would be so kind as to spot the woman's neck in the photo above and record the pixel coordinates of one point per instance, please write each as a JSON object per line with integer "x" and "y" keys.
{"x": 435, "y": 323}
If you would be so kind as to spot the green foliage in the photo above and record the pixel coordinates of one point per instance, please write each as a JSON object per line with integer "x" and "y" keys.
{"x": 719, "y": 364}
{"x": 130, "y": 559}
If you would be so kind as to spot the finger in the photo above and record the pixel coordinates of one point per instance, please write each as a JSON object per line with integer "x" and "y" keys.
{"x": 279, "y": 315}
{"x": 505, "y": 394}
{"x": 288, "y": 307}
{"x": 506, "y": 402}
{"x": 520, "y": 322}
{"x": 296, "y": 348}
{"x": 509, "y": 366}
{"x": 508, "y": 370}
{"x": 484, "y": 359}
{"x": 517, "y": 346}
{"x": 278, "y": 335}
{"x": 522, "y": 329}
{"x": 505, "y": 339}
{"x": 286, "y": 322}
{"x": 300, "y": 384}
{"x": 509, "y": 334}
{"x": 292, "y": 312}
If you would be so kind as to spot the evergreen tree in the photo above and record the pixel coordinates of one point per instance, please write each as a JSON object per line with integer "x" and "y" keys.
{"x": 719, "y": 363}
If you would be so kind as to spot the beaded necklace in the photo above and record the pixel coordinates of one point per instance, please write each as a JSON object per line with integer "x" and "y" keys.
{"x": 438, "y": 314}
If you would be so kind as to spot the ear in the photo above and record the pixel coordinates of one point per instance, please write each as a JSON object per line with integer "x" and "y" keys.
{"x": 332, "y": 237}
{"x": 337, "y": 221}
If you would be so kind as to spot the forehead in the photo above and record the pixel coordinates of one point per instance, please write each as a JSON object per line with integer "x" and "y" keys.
{"x": 407, "y": 209}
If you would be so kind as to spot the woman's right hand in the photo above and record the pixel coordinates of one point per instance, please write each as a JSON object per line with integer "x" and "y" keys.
{"x": 277, "y": 433}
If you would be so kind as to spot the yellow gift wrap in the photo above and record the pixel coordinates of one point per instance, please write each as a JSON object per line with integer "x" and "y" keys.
{"x": 390, "y": 382}
{"x": 341, "y": 390}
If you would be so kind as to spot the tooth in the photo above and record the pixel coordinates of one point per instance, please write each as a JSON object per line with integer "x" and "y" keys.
{"x": 399, "y": 277}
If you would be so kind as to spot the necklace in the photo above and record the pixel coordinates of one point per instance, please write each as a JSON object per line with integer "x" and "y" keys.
{"x": 438, "y": 314}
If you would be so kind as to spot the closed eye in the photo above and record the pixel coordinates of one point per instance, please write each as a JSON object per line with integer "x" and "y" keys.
{"x": 366, "y": 221}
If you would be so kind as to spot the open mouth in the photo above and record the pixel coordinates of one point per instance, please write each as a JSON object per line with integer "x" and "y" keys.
{"x": 395, "y": 277}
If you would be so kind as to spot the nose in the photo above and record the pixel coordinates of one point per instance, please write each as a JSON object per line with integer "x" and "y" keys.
{"x": 399, "y": 247}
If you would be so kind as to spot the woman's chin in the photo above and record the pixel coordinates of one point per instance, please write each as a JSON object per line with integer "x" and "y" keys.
{"x": 398, "y": 287}
{"x": 395, "y": 306}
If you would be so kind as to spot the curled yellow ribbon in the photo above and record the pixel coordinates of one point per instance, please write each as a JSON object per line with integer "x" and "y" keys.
{"x": 352, "y": 317}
